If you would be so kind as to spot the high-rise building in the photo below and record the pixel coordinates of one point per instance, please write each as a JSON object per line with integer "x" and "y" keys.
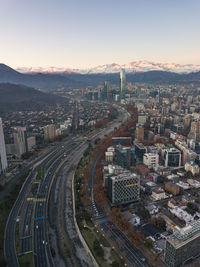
{"x": 122, "y": 83}
{"x": 172, "y": 157}
{"x": 123, "y": 188}
{"x": 194, "y": 131}
{"x": 150, "y": 159}
{"x": 183, "y": 245}
{"x": 3, "y": 158}
{"x": 49, "y": 132}
{"x": 142, "y": 117}
{"x": 140, "y": 150}
{"x": 139, "y": 132}
{"x": 20, "y": 140}
{"x": 105, "y": 90}
{"x": 125, "y": 156}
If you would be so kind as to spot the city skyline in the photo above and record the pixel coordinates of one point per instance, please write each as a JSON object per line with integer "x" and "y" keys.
{"x": 90, "y": 33}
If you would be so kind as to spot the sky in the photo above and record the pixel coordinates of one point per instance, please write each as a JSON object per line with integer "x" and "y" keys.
{"x": 88, "y": 33}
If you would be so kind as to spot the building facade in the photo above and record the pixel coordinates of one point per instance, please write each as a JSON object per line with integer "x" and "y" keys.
{"x": 124, "y": 188}
{"x": 20, "y": 140}
{"x": 172, "y": 157}
{"x": 150, "y": 159}
{"x": 122, "y": 83}
{"x": 183, "y": 245}
{"x": 49, "y": 132}
{"x": 3, "y": 157}
{"x": 125, "y": 156}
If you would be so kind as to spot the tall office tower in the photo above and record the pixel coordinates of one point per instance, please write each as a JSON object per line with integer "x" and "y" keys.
{"x": 142, "y": 117}
{"x": 122, "y": 82}
{"x": 105, "y": 90}
{"x": 183, "y": 245}
{"x": 3, "y": 158}
{"x": 20, "y": 142}
{"x": 187, "y": 121}
{"x": 125, "y": 156}
{"x": 49, "y": 132}
{"x": 139, "y": 132}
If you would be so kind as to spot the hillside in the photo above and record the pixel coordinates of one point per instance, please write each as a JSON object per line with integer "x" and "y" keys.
{"x": 19, "y": 97}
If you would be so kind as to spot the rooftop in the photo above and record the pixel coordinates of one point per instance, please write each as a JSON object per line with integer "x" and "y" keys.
{"x": 185, "y": 234}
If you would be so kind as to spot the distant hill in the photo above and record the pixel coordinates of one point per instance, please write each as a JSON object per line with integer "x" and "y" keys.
{"x": 19, "y": 97}
{"x": 38, "y": 80}
{"x": 76, "y": 80}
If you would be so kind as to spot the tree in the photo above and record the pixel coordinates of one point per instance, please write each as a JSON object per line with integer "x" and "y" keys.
{"x": 148, "y": 244}
{"x": 98, "y": 249}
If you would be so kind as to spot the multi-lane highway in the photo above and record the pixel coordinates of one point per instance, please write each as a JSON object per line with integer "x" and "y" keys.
{"x": 42, "y": 254}
{"x": 9, "y": 243}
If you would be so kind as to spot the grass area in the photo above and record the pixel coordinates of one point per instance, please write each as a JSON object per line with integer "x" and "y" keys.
{"x": 26, "y": 260}
{"x": 39, "y": 174}
{"x": 102, "y": 239}
{"x": 116, "y": 258}
{"x": 5, "y": 207}
{"x": 90, "y": 238}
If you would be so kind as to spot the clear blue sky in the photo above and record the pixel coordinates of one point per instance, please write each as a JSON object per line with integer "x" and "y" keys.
{"x": 86, "y": 33}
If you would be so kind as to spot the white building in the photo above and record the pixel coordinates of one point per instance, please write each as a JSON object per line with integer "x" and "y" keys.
{"x": 192, "y": 167}
{"x": 20, "y": 140}
{"x": 182, "y": 214}
{"x": 193, "y": 183}
{"x": 150, "y": 159}
{"x": 183, "y": 185}
{"x": 158, "y": 194}
{"x": 152, "y": 209}
{"x": 31, "y": 142}
{"x": 49, "y": 132}
{"x": 109, "y": 156}
{"x": 3, "y": 158}
{"x": 111, "y": 149}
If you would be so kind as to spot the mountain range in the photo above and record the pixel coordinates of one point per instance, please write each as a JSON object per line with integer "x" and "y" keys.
{"x": 72, "y": 80}
{"x": 134, "y": 66}
{"x": 19, "y": 97}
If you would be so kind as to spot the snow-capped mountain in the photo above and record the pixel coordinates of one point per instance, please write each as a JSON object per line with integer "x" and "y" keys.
{"x": 134, "y": 66}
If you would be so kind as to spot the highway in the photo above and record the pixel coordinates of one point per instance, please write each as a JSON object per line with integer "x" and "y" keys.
{"x": 9, "y": 243}
{"x": 42, "y": 254}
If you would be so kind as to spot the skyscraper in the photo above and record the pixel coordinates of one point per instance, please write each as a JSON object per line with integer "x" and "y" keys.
{"x": 122, "y": 82}
{"x": 49, "y": 132}
{"x": 19, "y": 134}
{"x": 3, "y": 158}
{"x": 105, "y": 90}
